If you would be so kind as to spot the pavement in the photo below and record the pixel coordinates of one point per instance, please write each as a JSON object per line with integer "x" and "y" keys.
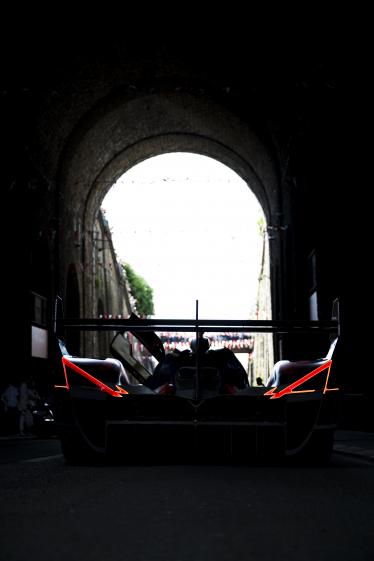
{"x": 358, "y": 444}
{"x": 353, "y": 443}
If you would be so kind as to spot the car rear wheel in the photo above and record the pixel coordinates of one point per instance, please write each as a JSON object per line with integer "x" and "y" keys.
{"x": 317, "y": 450}
{"x": 77, "y": 451}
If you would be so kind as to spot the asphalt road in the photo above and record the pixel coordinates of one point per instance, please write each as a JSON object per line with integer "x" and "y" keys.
{"x": 50, "y": 511}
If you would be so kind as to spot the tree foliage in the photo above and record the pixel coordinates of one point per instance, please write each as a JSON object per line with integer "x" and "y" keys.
{"x": 140, "y": 291}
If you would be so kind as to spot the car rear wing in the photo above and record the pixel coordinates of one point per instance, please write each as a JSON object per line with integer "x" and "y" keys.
{"x": 144, "y": 329}
{"x": 202, "y": 326}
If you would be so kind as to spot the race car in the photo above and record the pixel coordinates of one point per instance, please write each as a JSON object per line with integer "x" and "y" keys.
{"x": 197, "y": 405}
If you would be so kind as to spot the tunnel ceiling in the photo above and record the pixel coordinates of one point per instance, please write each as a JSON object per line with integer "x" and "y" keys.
{"x": 80, "y": 106}
{"x": 52, "y": 82}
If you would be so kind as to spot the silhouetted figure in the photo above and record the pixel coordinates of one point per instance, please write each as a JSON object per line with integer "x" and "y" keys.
{"x": 232, "y": 373}
{"x": 24, "y": 406}
{"x": 9, "y": 398}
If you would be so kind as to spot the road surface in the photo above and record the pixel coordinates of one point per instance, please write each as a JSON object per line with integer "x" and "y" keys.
{"x": 51, "y": 511}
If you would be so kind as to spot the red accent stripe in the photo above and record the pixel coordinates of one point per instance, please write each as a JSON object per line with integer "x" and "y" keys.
{"x": 91, "y": 378}
{"x": 65, "y": 374}
{"x": 270, "y": 392}
{"x": 289, "y": 389}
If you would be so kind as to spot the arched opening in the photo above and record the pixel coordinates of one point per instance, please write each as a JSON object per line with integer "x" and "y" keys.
{"x": 193, "y": 229}
{"x": 191, "y": 225}
{"x": 130, "y": 130}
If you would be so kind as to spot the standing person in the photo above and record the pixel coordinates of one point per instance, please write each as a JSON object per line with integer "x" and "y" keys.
{"x": 34, "y": 396}
{"x": 25, "y": 415}
{"x": 10, "y": 399}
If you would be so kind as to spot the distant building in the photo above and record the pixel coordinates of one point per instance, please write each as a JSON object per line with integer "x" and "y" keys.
{"x": 263, "y": 356}
{"x": 111, "y": 296}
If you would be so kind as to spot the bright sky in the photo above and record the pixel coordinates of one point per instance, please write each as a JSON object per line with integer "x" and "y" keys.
{"x": 189, "y": 226}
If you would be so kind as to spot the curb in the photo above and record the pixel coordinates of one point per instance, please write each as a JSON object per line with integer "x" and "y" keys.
{"x": 355, "y": 452}
{"x": 18, "y": 437}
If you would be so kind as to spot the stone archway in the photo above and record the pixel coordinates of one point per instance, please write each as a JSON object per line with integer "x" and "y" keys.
{"x": 119, "y": 135}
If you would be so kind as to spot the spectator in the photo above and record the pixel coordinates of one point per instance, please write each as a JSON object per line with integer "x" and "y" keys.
{"x": 10, "y": 399}
{"x": 34, "y": 397}
{"x": 24, "y": 406}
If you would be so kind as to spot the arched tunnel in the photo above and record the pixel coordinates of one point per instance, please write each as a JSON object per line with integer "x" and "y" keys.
{"x": 76, "y": 115}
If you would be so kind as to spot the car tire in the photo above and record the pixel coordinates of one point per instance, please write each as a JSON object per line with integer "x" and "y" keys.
{"x": 77, "y": 451}
{"x": 317, "y": 450}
